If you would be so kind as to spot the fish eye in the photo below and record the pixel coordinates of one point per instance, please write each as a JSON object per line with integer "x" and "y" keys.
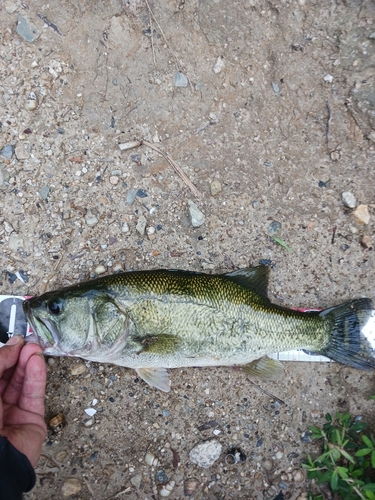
{"x": 55, "y": 306}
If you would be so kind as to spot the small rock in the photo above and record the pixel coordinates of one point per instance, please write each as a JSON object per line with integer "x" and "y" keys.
{"x": 161, "y": 477}
{"x": 275, "y": 87}
{"x": 130, "y": 196}
{"x": 141, "y": 225}
{"x": 206, "y": 453}
{"x": 114, "y": 180}
{"x": 196, "y": 216}
{"x": 215, "y": 187}
{"x": 100, "y": 269}
{"x": 180, "y": 80}
{"x": 31, "y": 102}
{"x": 20, "y": 152}
{"x": 7, "y": 151}
{"x": 129, "y": 145}
{"x": 89, "y": 422}
{"x": 77, "y": 369}
{"x": 71, "y": 487}
{"x": 8, "y": 227}
{"x": 366, "y": 241}
{"x": 298, "y": 476}
{"x": 141, "y": 193}
{"x": 349, "y": 199}
{"x": 371, "y": 136}
{"x": 44, "y": 192}
{"x": 28, "y": 31}
{"x": 219, "y": 65}
{"x": 15, "y": 242}
{"x": 10, "y": 7}
{"x": 274, "y": 227}
{"x": 92, "y": 221}
{"x": 279, "y": 455}
{"x": 328, "y": 78}
{"x": 267, "y": 464}
{"x": 90, "y": 412}
{"x": 61, "y": 455}
{"x": 362, "y": 215}
{"x": 66, "y": 214}
{"x": 125, "y": 227}
{"x": 335, "y": 155}
{"x": 136, "y": 480}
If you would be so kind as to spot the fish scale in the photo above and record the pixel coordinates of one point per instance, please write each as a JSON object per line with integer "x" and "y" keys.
{"x": 155, "y": 320}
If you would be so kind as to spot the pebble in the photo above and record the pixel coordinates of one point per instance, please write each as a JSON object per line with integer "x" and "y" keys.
{"x": 206, "y": 453}
{"x": 362, "y": 215}
{"x": 61, "y": 455}
{"x": 328, "y": 78}
{"x": 274, "y": 227}
{"x": 136, "y": 480}
{"x": 90, "y": 412}
{"x": 190, "y": 486}
{"x": 89, "y": 422}
{"x": 130, "y": 196}
{"x": 125, "y": 227}
{"x": 161, "y": 477}
{"x": 15, "y": 242}
{"x": 366, "y": 241}
{"x": 77, "y": 369}
{"x": 21, "y": 152}
{"x": 71, "y": 487}
{"x": 349, "y": 199}
{"x": 92, "y": 221}
{"x": 167, "y": 489}
{"x": 180, "y": 80}
{"x": 215, "y": 187}
{"x": 141, "y": 225}
{"x": 7, "y": 151}
{"x": 44, "y": 192}
{"x": 100, "y": 269}
{"x": 31, "y": 102}
{"x": 114, "y": 180}
{"x": 10, "y": 7}
{"x": 267, "y": 464}
{"x": 219, "y": 65}
{"x": 279, "y": 455}
{"x": 197, "y": 217}
{"x": 28, "y": 31}
{"x": 335, "y": 155}
{"x": 275, "y": 87}
{"x": 129, "y": 145}
{"x": 298, "y": 476}
{"x": 141, "y": 193}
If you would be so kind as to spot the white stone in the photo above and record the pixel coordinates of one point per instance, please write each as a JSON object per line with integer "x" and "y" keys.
{"x": 349, "y": 199}
{"x": 206, "y": 453}
{"x": 219, "y": 65}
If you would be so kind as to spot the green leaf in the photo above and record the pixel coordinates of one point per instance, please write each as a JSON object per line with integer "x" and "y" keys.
{"x": 369, "y": 487}
{"x": 372, "y": 397}
{"x": 358, "y": 426}
{"x": 367, "y": 441}
{"x": 281, "y": 242}
{"x": 370, "y": 495}
{"x": 373, "y": 459}
{"x": 347, "y": 456}
{"x": 334, "y": 481}
{"x": 328, "y": 417}
{"x": 343, "y": 471}
{"x": 363, "y": 451}
{"x": 335, "y": 454}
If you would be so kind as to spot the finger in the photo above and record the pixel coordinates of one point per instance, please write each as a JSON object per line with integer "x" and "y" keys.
{"x": 13, "y": 390}
{"x": 9, "y": 353}
{"x": 34, "y": 387}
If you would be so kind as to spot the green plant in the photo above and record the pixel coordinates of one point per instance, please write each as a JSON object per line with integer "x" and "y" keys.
{"x": 348, "y": 459}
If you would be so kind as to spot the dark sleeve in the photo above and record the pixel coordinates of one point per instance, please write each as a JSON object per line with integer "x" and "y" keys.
{"x": 16, "y": 473}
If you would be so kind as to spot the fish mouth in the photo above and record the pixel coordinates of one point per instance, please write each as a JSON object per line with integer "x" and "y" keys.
{"x": 45, "y": 331}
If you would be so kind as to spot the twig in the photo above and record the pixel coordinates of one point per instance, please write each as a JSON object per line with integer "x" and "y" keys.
{"x": 176, "y": 168}
{"x": 52, "y": 274}
{"x": 126, "y": 490}
{"x": 329, "y": 119}
{"x": 152, "y": 33}
{"x": 333, "y": 235}
{"x": 267, "y": 393}
{"x": 48, "y": 23}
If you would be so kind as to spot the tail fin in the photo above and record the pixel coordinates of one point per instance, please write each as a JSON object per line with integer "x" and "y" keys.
{"x": 353, "y": 334}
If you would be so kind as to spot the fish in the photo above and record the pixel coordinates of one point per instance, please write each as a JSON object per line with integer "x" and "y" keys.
{"x": 156, "y": 320}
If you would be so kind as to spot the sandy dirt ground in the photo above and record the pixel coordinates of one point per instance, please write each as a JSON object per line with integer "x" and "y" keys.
{"x": 269, "y": 109}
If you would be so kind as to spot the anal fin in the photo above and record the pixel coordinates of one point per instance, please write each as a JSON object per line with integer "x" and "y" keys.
{"x": 156, "y": 377}
{"x": 267, "y": 368}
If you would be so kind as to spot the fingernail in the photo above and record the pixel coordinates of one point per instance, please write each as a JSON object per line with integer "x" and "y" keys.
{"x": 15, "y": 340}
{"x": 40, "y": 354}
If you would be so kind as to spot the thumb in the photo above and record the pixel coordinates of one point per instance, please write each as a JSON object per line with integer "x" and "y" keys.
{"x": 10, "y": 352}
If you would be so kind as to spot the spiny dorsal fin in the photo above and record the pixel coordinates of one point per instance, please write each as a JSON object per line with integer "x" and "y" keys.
{"x": 253, "y": 278}
{"x": 267, "y": 368}
{"x": 156, "y": 377}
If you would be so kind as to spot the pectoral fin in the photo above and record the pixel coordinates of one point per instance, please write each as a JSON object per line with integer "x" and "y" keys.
{"x": 156, "y": 377}
{"x": 265, "y": 367}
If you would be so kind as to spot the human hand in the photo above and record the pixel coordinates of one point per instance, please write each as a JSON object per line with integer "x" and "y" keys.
{"x": 22, "y": 390}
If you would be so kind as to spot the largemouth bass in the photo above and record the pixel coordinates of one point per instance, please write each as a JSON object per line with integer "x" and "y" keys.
{"x": 155, "y": 320}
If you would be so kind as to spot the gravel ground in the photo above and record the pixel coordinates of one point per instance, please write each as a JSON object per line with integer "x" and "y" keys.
{"x": 269, "y": 109}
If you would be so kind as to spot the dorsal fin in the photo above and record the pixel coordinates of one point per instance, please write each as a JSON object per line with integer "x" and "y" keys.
{"x": 253, "y": 278}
